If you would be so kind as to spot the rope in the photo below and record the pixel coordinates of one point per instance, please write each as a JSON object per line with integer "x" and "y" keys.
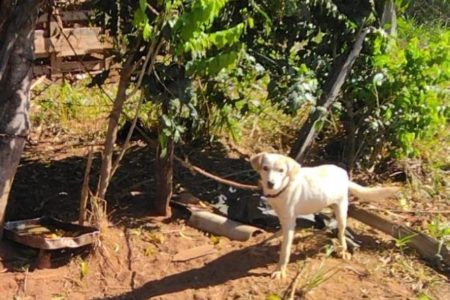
{"x": 194, "y": 169}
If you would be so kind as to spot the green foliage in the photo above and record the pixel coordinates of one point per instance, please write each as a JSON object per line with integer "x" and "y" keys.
{"x": 439, "y": 229}
{"x": 212, "y": 65}
{"x": 299, "y": 42}
{"x": 84, "y": 269}
{"x": 224, "y": 49}
{"x": 273, "y": 297}
{"x": 199, "y": 51}
{"x": 411, "y": 104}
{"x": 219, "y": 39}
{"x": 402, "y": 242}
{"x": 198, "y": 18}
{"x": 423, "y": 296}
{"x": 425, "y": 11}
{"x": 210, "y": 52}
{"x": 400, "y": 94}
{"x": 64, "y": 105}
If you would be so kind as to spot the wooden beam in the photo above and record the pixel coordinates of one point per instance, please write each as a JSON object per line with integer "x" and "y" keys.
{"x": 70, "y": 16}
{"x": 429, "y": 248}
{"x": 308, "y": 132}
{"x": 84, "y": 40}
{"x": 73, "y": 66}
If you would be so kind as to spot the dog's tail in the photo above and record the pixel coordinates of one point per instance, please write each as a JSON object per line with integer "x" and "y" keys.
{"x": 372, "y": 193}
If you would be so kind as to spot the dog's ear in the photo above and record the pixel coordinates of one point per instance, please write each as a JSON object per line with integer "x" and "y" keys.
{"x": 293, "y": 167}
{"x": 256, "y": 160}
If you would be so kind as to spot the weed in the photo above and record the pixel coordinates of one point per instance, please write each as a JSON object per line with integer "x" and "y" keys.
{"x": 422, "y": 278}
{"x": 438, "y": 229}
{"x": 273, "y": 297}
{"x": 312, "y": 279}
{"x": 401, "y": 242}
{"x": 83, "y": 269}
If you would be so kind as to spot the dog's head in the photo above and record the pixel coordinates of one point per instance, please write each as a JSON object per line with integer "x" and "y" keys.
{"x": 276, "y": 170}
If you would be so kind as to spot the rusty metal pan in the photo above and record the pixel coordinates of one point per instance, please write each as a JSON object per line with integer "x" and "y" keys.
{"x": 68, "y": 235}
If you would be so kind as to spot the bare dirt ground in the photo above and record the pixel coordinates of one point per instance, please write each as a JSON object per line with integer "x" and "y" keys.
{"x": 135, "y": 258}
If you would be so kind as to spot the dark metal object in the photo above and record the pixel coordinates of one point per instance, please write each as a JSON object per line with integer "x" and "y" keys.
{"x": 82, "y": 235}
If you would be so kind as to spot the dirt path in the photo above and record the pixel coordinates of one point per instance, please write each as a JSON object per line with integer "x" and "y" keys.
{"x": 137, "y": 251}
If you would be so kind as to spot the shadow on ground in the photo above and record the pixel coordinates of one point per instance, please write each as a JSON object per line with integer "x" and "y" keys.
{"x": 53, "y": 187}
{"x": 216, "y": 272}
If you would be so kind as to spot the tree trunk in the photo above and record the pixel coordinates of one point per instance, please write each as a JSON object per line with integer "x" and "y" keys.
{"x": 164, "y": 180}
{"x": 16, "y": 58}
{"x": 350, "y": 129}
{"x": 111, "y": 134}
{"x": 164, "y": 171}
{"x": 308, "y": 132}
{"x": 389, "y": 18}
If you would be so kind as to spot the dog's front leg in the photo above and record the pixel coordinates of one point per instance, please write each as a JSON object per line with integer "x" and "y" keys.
{"x": 288, "y": 230}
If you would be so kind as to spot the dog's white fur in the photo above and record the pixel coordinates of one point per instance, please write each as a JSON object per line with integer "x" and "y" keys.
{"x": 293, "y": 190}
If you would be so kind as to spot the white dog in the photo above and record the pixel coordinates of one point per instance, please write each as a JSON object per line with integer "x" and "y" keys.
{"x": 293, "y": 190}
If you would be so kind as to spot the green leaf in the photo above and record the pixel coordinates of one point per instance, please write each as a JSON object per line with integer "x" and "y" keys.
{"x": 163, "y": 144}
{"x": 212, "y": 66}
{"x": 273, "y": 297}
{"x": 147, "y": 32}
{"x": 166, "y": 120}
{"x": 83, "y": 269}
{"x": 199, "y": 18}
{"x": 423, "y": 296}
{"x": 140, "y": 19}
{"x": 318, "y": 125}
{"x": 143, "y": 5}
{"x": 445, "y": 232}
{"x": 251, "y": 22}
{"x": 220, "y": 39}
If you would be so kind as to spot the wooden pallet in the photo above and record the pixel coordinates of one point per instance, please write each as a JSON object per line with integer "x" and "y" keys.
{"x": 65, "y": 43}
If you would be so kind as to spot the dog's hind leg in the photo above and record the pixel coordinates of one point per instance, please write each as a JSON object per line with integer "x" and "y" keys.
{"x": 340, "y": 211}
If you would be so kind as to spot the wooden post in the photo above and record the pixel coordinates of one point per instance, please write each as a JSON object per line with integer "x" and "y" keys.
{"x": 53, "y": 28}
{"x": 308, "y": 132}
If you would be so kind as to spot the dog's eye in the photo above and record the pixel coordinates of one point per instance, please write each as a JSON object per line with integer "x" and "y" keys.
{"x": 265, "y": 168}
{"x": 281, "y": 170}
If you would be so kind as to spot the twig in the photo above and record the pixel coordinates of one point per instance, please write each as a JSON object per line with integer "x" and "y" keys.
{"x": 295, "y": 282}
{"x": 153, "y": 9}
{"x": 410, "y": 211}
{"x": 25, "y": 280}
{"x": 238, "y": 185}
{"x": 129, "y": 134}
{"x": 229, "y": 175}
{"x": 37, "y": 82}
{"x": 85, "y": 187}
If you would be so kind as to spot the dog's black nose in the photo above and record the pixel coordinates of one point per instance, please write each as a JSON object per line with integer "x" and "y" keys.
{"x": 270, "y": 184}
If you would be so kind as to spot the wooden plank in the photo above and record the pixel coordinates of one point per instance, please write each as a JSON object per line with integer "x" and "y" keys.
{"x": 75, "y": 66}
{"x": 426, "y": 246}
{"x": 82, "y": 41}
{"x": 41, "y": 70}
{"x": 71, "y": 66}
{"x": 70, "y": 16}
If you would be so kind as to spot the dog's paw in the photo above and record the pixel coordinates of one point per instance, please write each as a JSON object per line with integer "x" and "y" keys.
{"x": 278, "y": 274}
